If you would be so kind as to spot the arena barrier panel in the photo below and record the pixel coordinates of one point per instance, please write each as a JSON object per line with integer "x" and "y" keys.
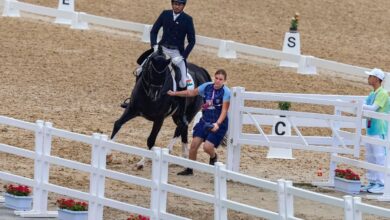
{"x": 158, "y": 184}
{"x": 226, "y": 48}
{"x": 345, "y": 124}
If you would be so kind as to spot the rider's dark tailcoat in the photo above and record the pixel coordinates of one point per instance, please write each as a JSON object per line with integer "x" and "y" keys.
{"x": 174, "y": 32}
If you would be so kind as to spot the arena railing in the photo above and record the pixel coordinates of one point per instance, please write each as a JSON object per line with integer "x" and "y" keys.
{"x": 158, "y": 182}
{"x": 226, "y": 48}
{"x": 346, "y": 126}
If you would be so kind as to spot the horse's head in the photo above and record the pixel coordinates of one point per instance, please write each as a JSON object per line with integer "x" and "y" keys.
{"x": 159, "y": 61}
{"x": 155, "y": 74}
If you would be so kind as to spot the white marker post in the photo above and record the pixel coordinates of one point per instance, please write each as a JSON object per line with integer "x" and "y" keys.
{"x": 281, "y": 127}
{"x": 65, "y": 5}
{"x": 292, "y": 44}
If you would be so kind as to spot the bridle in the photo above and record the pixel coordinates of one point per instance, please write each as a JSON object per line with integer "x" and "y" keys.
{"x": 149, "y": 85}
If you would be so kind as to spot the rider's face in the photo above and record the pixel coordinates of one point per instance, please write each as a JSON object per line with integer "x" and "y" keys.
{"x": 177, "y": 7}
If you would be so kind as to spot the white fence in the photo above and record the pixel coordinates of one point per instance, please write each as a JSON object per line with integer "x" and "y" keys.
{"x": 158, "y": 183}
{"x": 346, "y": 125}
{"x": 226, "y": 48}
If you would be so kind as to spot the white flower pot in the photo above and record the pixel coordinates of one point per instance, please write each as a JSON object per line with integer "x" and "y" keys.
{"x": 64, "y": 214}
{"x": 19, "y": 203}
{"x": 347, "y": 186}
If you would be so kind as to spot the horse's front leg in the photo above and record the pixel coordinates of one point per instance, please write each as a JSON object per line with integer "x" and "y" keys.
{"x": 151, "y": 140}
{"x": 127, "y": 115}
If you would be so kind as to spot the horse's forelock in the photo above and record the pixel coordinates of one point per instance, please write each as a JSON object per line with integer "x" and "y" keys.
{"x": 160, "y": 61}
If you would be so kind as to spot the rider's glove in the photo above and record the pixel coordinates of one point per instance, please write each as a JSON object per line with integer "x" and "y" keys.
{"x": 177, "y": 60}
{"x": 155, "y": 48}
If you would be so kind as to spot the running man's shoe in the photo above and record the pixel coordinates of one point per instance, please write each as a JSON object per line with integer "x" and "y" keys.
{"x": 378, "y": 188}
{"x": 367, "y": 187}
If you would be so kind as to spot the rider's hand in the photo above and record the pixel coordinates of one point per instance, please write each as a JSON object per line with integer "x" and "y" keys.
{"x": 177, "y": 60}
{"x": 155, "y": 48}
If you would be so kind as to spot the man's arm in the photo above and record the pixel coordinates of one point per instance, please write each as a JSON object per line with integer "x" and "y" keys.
{"x": 190, "y": 38}
{"x": 156, "y": 27}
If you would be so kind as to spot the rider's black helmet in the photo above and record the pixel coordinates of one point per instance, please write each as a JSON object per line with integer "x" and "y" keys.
{"x": 180, "y": 1}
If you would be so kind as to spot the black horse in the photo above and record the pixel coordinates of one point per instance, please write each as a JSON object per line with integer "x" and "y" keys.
{"x": 150, "y": 100}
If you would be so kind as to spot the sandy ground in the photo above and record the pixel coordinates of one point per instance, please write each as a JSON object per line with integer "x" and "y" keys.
{"x": 76, "y": 79}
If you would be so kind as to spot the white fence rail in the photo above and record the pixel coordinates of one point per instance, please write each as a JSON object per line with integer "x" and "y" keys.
{"x": 158, "y": 184}
{"x": 226, "y": 48}
{"x": 345, "y": 125}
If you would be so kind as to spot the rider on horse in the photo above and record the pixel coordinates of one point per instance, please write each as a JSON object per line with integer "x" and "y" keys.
{"x": 177, "y": 25}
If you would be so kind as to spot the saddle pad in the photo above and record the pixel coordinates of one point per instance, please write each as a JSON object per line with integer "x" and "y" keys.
{"x": 190, "y": 82}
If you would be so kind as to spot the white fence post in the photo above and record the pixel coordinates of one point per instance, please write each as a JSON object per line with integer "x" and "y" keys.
{"x": 93, "y": 187}
{"x": 101, "y": 178}
{"x": 163, "y": 180}
{"x": 220, "y": 192}
{"x": 41, "y": 172}
{"x": 235, "y": 125}
{"x": 359, "y": 127}
{"x": 224, "y": 51}
{"x": 39, "y": 142}
{"x": 65, "y": 5}
{"x": 146, "y": 33}
{"x": 305, "y": 67}
{"x": 77, "y": 23}
{"x": 9, "y": 10}
{"x": 289, "y": 200}
{"x": 332, "y": 164}
{"x": 156, "y": 184}
{"x": 357, "y": 214}
{"x": 348, "y": 208}
{"x": 282, "y": 200}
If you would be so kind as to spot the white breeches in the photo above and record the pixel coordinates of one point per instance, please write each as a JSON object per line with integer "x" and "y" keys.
{"x": 377, "y": 155}
{"x": 172, "y": 53}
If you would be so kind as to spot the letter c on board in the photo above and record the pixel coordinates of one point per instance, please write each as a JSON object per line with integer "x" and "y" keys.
{"x": 277, "y": 128}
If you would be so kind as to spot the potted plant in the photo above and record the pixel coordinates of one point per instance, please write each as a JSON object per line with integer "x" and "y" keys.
{"x": 294, "y": 23}
{"x": 70, "y": 209}
{"x": 347, "y": 181}
{"x": 138, "y": 217}
{"x": 284, "y": 106}
{"x": 18, "y": 197}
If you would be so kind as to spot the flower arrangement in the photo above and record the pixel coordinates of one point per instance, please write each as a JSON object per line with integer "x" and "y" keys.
{"x": 17, "y": 190}
{"x": 347, "y": 174}
{"x": 138, "y": 217}
{"x": 284, "y": 105}
{"x": 73, "y": 205}
{"x": 294, "y": 22}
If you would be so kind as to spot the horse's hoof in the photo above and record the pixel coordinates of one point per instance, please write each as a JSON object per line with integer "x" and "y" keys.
{"x": 138, "y": 167}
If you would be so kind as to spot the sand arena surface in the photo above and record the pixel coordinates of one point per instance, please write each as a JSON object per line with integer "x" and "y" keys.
{"x": 76, "y": 79}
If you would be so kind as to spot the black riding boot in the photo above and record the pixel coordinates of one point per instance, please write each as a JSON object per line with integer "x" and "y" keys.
{"x": 182, "y": 110}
